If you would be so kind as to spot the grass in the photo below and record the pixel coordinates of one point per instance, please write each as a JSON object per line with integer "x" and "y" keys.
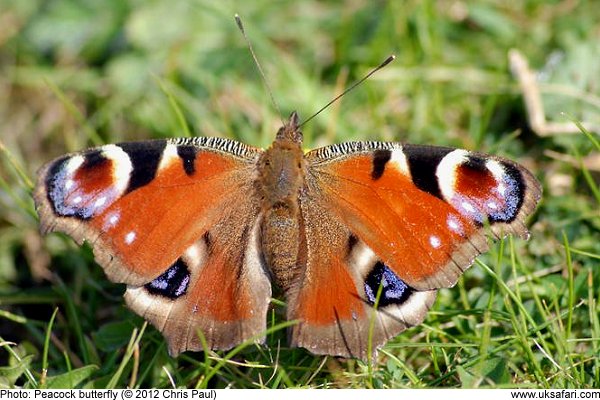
{"x": 80, "y": 73}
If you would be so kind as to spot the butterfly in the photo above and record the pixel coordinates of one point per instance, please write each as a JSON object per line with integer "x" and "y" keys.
{"x": 358, "y": 236}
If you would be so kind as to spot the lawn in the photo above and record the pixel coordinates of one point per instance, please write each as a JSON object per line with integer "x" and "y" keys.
{"x": 81, "y": 73}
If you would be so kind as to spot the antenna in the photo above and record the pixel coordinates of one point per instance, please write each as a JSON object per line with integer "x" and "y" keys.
{"x": 238, "y": 21}
{"x": 355, "y": 84}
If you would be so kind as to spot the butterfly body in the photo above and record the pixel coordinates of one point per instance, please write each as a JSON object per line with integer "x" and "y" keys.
{"x": 359, "y": 236}
{"x": 282, "y": 171}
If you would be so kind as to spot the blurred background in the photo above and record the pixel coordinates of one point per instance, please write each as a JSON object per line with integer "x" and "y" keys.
{"x": 81, "y": 73}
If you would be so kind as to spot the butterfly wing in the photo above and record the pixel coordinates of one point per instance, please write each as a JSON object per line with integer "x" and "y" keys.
{"x": 176, "y": 221}
{"x": 397, "y": 222}
{"x": 329, "y": 300}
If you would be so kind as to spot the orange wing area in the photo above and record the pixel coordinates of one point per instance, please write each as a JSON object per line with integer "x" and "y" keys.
{"x": 158, "y": 221}
{"x": 414, "y": 233}
{"x": 216, "y": 295}
{"x": 330, "y": 294}
{"x": 137, "y": 234}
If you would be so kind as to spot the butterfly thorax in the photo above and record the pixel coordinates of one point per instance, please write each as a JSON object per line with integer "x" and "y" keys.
{"x": 281, "y": 177}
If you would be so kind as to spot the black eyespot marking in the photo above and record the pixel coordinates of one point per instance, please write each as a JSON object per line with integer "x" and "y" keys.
{"x": 393, "y": 290}
{"x": 208, "y": 240}
{"x": 475, "y": 163}
{"x": 144, "y": 157}
{"x": 423, "y": 162}
{"x": 352, "y": 240}
{"x": 188, "y": 156}
{"x": 173, "y": 283}
{"x": 380, "y": 159}
{"x": 94, "y": 159}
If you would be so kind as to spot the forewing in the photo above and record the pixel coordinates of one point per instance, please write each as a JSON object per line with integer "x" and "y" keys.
{"x": 175, "y": 221}
{"x": 424, "y": 210}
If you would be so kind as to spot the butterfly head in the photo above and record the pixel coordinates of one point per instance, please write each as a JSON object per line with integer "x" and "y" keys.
{"x": 290, "y": 130}
{"x": 281, "y": 166}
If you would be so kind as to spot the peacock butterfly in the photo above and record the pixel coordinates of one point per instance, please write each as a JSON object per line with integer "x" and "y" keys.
{"x": 354, "y": 234}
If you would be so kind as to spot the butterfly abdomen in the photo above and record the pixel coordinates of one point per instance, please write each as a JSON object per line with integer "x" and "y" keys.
{"x": 281, "y": 177}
